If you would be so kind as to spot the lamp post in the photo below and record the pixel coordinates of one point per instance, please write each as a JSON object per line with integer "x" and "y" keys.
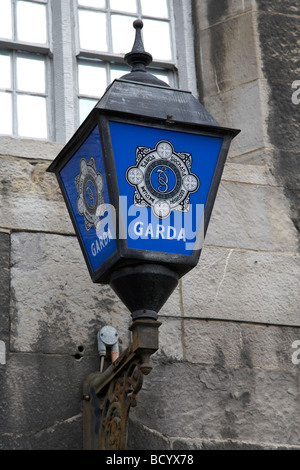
{"x": 139, "y": 178}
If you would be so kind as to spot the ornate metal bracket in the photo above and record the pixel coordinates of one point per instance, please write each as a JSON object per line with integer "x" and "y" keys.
{"x": 108, "y": 396}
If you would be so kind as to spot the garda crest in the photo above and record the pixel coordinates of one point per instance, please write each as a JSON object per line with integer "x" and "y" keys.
{"x": 162, "y": 179}
{"x": 90, "y": 202}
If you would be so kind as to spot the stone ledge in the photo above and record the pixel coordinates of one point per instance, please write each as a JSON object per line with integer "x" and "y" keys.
{"x": 29, "y": 148}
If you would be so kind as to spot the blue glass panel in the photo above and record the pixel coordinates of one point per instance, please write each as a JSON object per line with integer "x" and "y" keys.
{"x": 164, "y": 178}
{"x": 85, "y": 184}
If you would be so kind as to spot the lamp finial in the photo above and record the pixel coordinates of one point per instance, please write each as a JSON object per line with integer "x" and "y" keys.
{"x": 138, "y": 58}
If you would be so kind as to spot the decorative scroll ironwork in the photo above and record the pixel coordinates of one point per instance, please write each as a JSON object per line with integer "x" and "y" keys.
{"x": 121, "y": 395}
{"x": 108, "y": 396}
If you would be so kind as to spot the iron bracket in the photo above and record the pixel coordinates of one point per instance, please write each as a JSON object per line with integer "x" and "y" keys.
{"x": 108, "y": 395}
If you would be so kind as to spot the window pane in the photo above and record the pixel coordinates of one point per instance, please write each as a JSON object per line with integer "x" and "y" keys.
{"x": 5, "y": 114}
{"x": 161, "y": 75}
{"x": 158, "y": 8}
{"x": 31, "y": 22}
{"x": 32, "y": 118}
{"x": 92, "y": 3}
{"x": 85, "y": 107}
{"x": 92, "y": 30}
{"x": 157, "y": 39}
{"x": 31, "y": 75}
{"x": 5, "y": 20}
{"x": 124, "y": 5}
{"x": 123, "y": 33}
{"x": 92, "y": 79}
{"x": 5, "y": 72}
{"x": 117, "y": 71}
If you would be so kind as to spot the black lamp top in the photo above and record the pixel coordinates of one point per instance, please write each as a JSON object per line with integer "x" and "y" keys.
{"x": 138, "y": 59}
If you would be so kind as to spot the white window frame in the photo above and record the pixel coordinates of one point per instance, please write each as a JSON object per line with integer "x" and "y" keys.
{"x": 14, "y": 48}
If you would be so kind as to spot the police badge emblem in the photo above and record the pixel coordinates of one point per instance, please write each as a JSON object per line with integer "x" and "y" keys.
{"x": 162, "y": 179}
{"x": 90, "y": 201}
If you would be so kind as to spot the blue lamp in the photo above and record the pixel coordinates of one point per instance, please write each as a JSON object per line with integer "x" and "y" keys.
{"x": 139, "y": 178}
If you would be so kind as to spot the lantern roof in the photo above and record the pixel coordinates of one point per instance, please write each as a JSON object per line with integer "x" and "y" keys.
{"x": 141, "y": 93}
{"x": 154, "y": 101}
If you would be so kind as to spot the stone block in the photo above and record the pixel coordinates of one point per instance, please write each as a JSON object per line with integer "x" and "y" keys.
{"x": 285, "y": 168}
{"x": 279, "y": 52}
{"x": 41, "y": 401}
{"x": 170, "y": 339}
{"x": 283, "y": 120}
{"x": 62, "y": 435}
{"x": 219, "y": 403}
{"x": 22, "y": 176}
{"x": 172, "y": 305}
{"x": 211, "y": 12}
{"x": 251, "y": 216}
{"x": 212, "y": 444}
{"x": 30, "y": 212}
{"x": 244, "y": 285}
{"x": 229, "y": 55}
{"x": 4, "y": 286}
{"x": 243, "y": 108}
{"x": 288, "y": 7}
{"x": 294, "y": 201}
{"x": 254, "y": 168}
{"x": 279, "y": 39}
{"x": 30, "y": 198}
{"x": 29, "y": 148}
{"x": 233, "y": 345}
{"x": 142, "y": 438}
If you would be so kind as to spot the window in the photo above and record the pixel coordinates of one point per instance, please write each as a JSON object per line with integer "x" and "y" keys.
{"x": 57, "y": 57}
{"x": 105, "y": 34}
{"x": 24, "y": 65}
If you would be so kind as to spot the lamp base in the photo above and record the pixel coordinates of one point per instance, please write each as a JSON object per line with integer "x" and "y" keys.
{"x": 144, "y": 288}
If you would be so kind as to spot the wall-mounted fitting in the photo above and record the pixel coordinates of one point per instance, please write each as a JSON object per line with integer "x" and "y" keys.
{"x": 108, "y": 337}
{"x": 108, "y": 395}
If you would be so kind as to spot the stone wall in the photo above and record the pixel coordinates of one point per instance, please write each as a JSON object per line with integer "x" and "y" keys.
{"x": 223, "y": 376}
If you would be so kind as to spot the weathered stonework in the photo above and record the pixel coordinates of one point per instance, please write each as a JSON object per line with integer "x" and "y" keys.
{"x": 244, "y": 285}
{"x": 244, "y": 404}
{"x": 281, "y": 67}
{"x": 4, "y": 286}
{"x": 223, "y": 377}
{"x": 30, "y": 198}
{"x": 41, "y": 400}
{"x": 252, "y": 216}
